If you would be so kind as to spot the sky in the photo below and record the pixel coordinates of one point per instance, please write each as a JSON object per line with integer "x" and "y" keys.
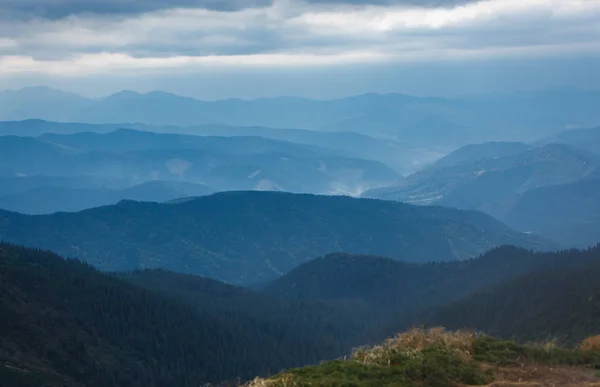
{"x": 316, "y": 48}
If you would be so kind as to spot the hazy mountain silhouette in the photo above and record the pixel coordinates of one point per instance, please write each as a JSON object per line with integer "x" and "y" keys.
{"x": 586, "y": 138}
{"x": 492, "y": 184}
{"x": 222, "y": 163}
{"x": 249, "y": 237}
{"x": 425, "y": 121}
{"x": 476, "y": 152}
{"x": 402, "y": 157}
{"x": 569, "y": 214}
{"x": 50, "y": 199}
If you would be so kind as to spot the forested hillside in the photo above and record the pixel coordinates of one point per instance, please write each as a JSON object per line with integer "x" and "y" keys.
{"x": 65, "y": 324}
{"x": 405, "y": 286}
{"x": 412, "y": 294}
{"x": 252, "y": 237}
{"x": 550, "y": 303}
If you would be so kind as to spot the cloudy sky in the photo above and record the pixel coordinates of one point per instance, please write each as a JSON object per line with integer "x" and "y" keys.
{"x": 318, "y": 48}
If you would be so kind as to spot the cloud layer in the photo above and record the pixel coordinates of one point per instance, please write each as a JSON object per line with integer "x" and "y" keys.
{"x": 57, "y": 9}
{"x": 72, "y": 37}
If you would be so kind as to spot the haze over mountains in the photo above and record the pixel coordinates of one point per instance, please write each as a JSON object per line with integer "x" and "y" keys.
{"x": 299, "y": 193}
{"x": 441, "y": 122}
{"x": 220, "y": 163}
{"x": 546, "y": 189}
{"x": 458, "y": 206}
{"x": 134, "y": 149}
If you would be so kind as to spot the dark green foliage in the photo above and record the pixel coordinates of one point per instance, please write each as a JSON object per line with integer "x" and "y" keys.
{"x": 490, "y": 350}
{"x": 556, "y": 301}
{"x": 434, "y": 367}
{"x": 64, "y": 323}
{"x": 10, "y": 376}
{"x": 383, "y": 281}
{"x": 67, "y": 324}
{"x": 408, "y": 293}
{"x": 508, "y": 292}
{"x": 437, "y": 364}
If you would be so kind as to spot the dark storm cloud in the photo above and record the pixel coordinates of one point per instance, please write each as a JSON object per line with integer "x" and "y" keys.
{"x": 288, "y": 33}
{"x": 57, "y": 9}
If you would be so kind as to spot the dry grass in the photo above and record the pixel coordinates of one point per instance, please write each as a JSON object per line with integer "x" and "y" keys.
{"x": 477, "y": 359}
{"x": 548, "y": 345}
{"x": 412, "y": 343}
{"x": 285, "y": 380}
{"x": 591, "y": 344}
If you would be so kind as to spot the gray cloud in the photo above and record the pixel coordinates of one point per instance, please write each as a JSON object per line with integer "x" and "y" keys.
{"x": 58, "y": 9}
{"x": 295, "y": 33}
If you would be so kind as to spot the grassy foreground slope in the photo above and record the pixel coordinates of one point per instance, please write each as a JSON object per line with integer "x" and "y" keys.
{"x": 438, "y": 358}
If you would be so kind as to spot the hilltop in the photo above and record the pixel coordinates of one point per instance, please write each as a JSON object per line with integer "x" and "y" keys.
{"x": 436, "y": 358}
{"x": 253, "y": 237}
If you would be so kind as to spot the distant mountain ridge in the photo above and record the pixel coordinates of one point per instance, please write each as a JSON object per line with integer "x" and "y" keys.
{"x": 251, "y": 237}
{"x": 401, "y": 156}
{"x": 439, "y": 122}
{"x": 546, "y": 189}
{"x": 222, "y": 163}
{"x": 485, "y": 151}
{"x": 584, "y": 138}
{"x": 49, "y": 199}
{"x": 567, "y": 213}
{"x": 473, "y": 183}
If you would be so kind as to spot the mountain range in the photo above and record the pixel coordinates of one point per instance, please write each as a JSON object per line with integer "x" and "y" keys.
{"x": 251, "y": 237}
{"x": 221, "y": 163}
{"x": 480, "y": 180}
{"x": 583, "y": 138}
{"x": 525, "y": 186}
{"x": 400, "y": 156}
{"x": 431, "y": 122}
